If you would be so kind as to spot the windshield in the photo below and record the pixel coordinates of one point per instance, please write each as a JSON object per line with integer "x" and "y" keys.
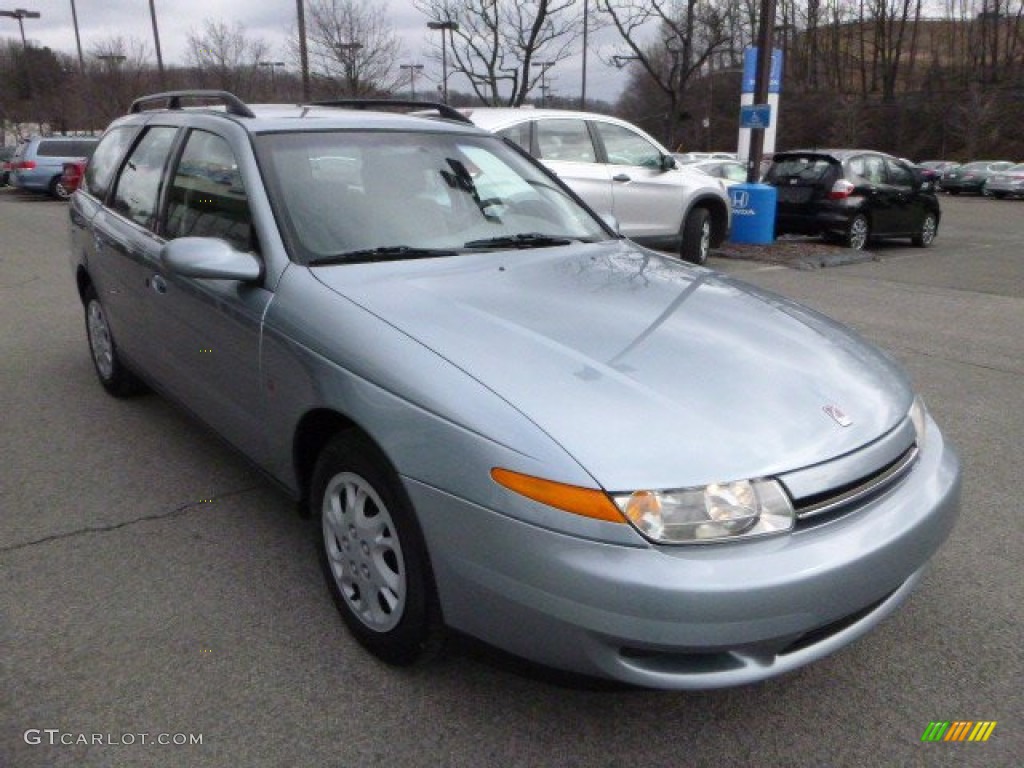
{"x": 407, "y": 195}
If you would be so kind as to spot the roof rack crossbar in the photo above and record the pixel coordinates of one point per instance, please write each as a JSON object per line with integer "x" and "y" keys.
{"x": 444, "y": 110}
{"x": 172, "y": 100}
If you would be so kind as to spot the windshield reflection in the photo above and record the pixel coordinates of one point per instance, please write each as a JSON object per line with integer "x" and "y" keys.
{"x": 345, "y": 192}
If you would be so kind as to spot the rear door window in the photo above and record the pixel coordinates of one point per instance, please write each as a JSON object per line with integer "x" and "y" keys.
{"x": 138, "y": 187}
{"x": 565, "y": 140}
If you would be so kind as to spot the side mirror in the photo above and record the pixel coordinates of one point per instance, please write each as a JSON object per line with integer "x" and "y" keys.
{"x": 209, "y": 258}
{"x": 668, "y": 163}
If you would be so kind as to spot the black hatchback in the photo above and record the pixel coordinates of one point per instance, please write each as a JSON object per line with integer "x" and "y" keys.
{"x": 852, "y": 196}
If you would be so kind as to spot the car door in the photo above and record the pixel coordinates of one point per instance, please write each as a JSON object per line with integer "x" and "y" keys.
{"x": 908, "y": 200}
{"x": 565, "y": 146}
{"x": 211, "y": 328}
{"x": 646, "y": 199}
{"x": 881, "y": 200}
{"x": 126, "y": 251}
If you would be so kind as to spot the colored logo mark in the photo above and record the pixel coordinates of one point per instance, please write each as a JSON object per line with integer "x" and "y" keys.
{"x": 959, "y": 730}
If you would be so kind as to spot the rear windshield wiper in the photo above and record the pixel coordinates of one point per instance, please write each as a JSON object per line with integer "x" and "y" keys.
{"x": 525, "y": 240}
{"x": 385, "y": 253}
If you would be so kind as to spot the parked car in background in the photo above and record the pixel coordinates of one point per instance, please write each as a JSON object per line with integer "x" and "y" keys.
{"x": 6, "y": 153}
{"x": 71, "y": 178}
{"x": 38, "y": 163}
{"x": 729, "y": 171}
{"x": 503, "y": 417}
{"x": 852, "y": 196}
{"x": 1008, "y": 183}
{"x": 937, "y": 168}
{"x": 618, "y": 169}
{"x": 971, "y": 178}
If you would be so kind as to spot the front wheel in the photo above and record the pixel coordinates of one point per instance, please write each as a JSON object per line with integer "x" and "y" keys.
{"x": 696, "y": 237}
{"x": 857, "y": 233}
{"x": 929, "y": 228}
{"x": 373, "y": 553}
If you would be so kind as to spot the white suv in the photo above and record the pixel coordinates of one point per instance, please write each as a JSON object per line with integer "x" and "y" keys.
{"x": 618, "y": 169}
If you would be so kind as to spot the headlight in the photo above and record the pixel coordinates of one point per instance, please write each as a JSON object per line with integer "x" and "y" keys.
{"x": 919, "y": 415}
{"x": 717, "y": 512}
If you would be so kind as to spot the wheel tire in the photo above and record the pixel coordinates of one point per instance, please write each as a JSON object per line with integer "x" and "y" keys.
{"x": 953, "y": 192}
{"x": 58, "y": 190}
{"x": 112, "y": 373}
{"x": 929, "y": 228}
{"x": 858, "y": 232}
{"x": 373, "y": 553}
{"x": 696, "y": 237}
{"x": 998, "y": 195}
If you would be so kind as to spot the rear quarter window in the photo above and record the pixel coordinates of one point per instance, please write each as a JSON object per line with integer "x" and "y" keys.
{"x": 105, "y": 160}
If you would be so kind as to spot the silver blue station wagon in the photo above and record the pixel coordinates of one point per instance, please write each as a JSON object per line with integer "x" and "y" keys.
{"x": 504, "y": 418}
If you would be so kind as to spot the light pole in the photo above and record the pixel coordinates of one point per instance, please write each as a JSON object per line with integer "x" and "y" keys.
{"x": 300, "y": 10}
{"x": 583, "y": 78}
{"x": 272, "y": 65}
{"x": 78, "y": 38}
{"x": 413, "y": 69}
{"x": 544, "y": 67}
{"x": 451, "y": 27}
{"x": 21, "y": 14}
{"x": 156, "y": 42}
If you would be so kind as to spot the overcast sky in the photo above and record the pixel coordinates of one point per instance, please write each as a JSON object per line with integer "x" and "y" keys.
{"x": 272, "y": 20}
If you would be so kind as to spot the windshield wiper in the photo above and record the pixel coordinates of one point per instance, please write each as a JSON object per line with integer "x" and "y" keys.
{"x": 385, "y": 253}
{"x": 525, "y": 240}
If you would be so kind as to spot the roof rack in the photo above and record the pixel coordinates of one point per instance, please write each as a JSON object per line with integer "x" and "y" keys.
{"x": 172, "y": 100}
{"x": 443, "y": 110}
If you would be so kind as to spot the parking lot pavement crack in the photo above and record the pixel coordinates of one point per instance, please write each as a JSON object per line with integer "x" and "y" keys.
{"x": 166, "y": 515}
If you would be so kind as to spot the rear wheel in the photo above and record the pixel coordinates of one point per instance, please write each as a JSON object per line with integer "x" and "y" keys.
{"x": 373, "y": 553}
{"x": 112, "y": 373}
{"x": 696, "y": 237}
{"x": 857, "y": 233}
{"x": 929, "y": 228}
{"x": 58, "y": 190}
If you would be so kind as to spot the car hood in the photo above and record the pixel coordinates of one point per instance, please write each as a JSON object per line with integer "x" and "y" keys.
{"x": 649, "y": 372}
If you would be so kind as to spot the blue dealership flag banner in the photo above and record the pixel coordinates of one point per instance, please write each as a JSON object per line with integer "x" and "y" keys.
{"x": 750, "y": 71}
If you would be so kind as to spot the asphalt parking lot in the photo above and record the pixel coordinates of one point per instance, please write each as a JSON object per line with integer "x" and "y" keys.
{"x": 156, "y": 588}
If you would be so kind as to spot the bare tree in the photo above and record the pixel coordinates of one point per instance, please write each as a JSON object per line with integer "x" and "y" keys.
{"x": 353, "y": 46}
{"x": 688, "y": 33}
{"x": 505, "y": 47}
{"x": 119, "y": 70}
{"x": 223, "y": 56}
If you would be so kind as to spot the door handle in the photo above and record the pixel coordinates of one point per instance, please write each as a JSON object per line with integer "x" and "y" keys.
{"x": 621, "y": 177}
{"x": 157, "y": 283}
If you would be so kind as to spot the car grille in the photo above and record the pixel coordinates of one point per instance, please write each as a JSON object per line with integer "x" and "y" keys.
{"x": 821, "y": 507}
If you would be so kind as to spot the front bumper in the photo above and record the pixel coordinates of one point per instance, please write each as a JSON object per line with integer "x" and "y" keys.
{"x": 687, "y": 617}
